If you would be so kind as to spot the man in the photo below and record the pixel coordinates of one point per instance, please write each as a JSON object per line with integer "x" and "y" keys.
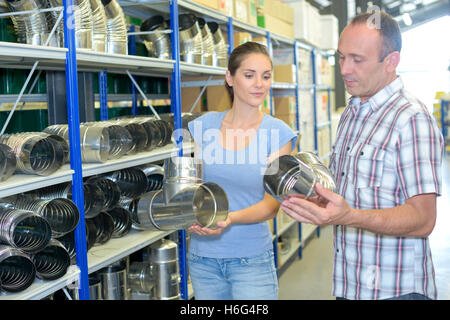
{"x": 386, "y": 161}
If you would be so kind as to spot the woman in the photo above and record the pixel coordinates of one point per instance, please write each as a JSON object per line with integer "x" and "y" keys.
{"x": 236, "y": 260}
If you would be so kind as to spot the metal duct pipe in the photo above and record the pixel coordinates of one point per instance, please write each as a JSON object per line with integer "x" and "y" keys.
{"x": 8, "y": 162}
{"x": 140, "y": 277}
{"x": 82, "y": 22}
{"x": 61, "y": 213}
{"x": 114, "y": 281}
{"x": 98, "y": 26}
{"x": 116, "y": 28}
{"x": 132, "y": 181}
{"x": 158, "y": 44}
{"x": 104, "y": 226}
{"x": 220, "y": 53}
{"x": 137, "y": 132}
{"x": 208, "y": 44}
{"x": 109, "y": 188}
{"x": 204, "y": 203}
{"x": 191, "y": 44}
{"x": 35, "y": 153}
{"x": 95, "y": 290}
{"x": 23, "y": 229}
{"x": 31, "y": 28}
{"x": 122, "y": 221}
{"x": 165, "y": 270}
{"x": 95, "y": 144}
{"x": 51, "y": 262}
{"x": 94, "y": 198}
{"x": 155, "y": 176}
{"x": 17, "y": 271}
{"x": 120, "y": 139}
{"x": 184, "y": 200}
{"x": 290, "y": 175}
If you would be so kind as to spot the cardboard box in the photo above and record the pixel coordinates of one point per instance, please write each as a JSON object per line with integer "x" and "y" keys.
{"x": 241, "y": 37}
{"x": 285, "y": 73}
{"x": 329, "y": 35}
{"x": 284, "y": 105}
{"x": 289, "y": 118}
{"x": 276, "y": 25}
{"x": 213, "y": 4}
{"x": 217, "y": 98}
{"x": 188, "y": 97}
{"x": 240, "y": 10}
{"x": 226, "y": 7}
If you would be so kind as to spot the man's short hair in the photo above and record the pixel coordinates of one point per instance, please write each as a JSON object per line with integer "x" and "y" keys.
{"x": 388, "y": 28}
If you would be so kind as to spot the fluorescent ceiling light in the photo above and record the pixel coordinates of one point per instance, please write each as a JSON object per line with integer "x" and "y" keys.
{"x": 407, "y": 19}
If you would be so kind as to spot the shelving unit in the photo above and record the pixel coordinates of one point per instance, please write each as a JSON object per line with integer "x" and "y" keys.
{"x": 74, "y": 61}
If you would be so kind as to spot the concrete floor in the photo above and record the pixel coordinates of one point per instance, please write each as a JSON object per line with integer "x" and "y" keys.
{"x": 310, "y": 277}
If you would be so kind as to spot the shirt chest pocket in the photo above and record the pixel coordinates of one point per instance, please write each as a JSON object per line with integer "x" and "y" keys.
{"x": 367, "y": 162}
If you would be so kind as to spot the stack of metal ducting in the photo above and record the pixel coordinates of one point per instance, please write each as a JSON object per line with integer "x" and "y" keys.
{"x": 116, "y": 28}
{"x": 157, "y": 43}
{"x": 191, "y": 42}
{"x": 208, "y": 44}
{"x": 61, "y": 213}
{"x": 94, "y": 198}
{"x": 95, "y": 145}
{"x": 220, "y": 53}
{"x": 36, "y": 152}
{"x": 31, "y": 28}
{"x": 296, "y": 174}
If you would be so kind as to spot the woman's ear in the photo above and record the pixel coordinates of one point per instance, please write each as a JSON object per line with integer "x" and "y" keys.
{"x": 229, "y": 78}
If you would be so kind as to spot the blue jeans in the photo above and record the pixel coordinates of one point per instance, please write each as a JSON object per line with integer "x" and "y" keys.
{"x": 249, "y": 278}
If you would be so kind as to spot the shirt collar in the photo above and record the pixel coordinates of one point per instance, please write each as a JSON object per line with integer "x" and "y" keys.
{"x": 380, "y": 98}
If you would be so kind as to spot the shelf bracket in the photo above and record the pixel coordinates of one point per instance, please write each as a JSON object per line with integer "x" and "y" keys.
{"x": 143, "y": 95}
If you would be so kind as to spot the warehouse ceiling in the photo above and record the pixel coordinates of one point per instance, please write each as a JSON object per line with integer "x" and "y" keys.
{"x": 411, "y": 13}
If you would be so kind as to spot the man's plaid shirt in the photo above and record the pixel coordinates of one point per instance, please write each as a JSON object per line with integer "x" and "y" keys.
{"x": 387, "y": 149}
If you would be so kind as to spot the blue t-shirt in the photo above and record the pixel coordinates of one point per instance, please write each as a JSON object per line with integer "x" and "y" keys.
{"x": 240, "y": 173}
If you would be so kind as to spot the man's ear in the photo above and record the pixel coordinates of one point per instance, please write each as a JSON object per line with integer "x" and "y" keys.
{"x": 392, "y": 60}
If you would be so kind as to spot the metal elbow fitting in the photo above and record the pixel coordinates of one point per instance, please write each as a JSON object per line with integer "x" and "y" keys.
{"x": 296, "y": 174}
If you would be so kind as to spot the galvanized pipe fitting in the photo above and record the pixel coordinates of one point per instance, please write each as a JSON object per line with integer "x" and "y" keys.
{"x": 51, "y": 262}
{"x": 17, "y": 271}
{"x": 158, "y": 44}
{"x": 35, "y": 152}
{"x": 290, "y": 175}
{"x": 116, "y": 28}
{"x": 23, "y": 229}
{"x": 61, "y": 213}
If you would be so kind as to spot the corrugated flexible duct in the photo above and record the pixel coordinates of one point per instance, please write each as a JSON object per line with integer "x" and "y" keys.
{"x": 116, "y": 28}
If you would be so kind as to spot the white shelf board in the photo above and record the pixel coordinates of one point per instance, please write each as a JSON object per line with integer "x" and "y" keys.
{"x": 102, "y": 60}
{"x": 26, "y": 53}
{"x": 41, "y": 288}
{"x": 128, "y": 161}
{"x": 196, "y": 69}
{"x": 19, "y": 183}
{"x": 116, "y": 249}
{"x": 284, "y": 85}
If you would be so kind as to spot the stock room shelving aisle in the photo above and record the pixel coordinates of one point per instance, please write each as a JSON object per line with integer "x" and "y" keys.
{"x": 179, "y": 73}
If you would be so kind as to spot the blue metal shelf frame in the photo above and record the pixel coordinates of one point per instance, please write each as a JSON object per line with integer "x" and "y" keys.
{"x": 74, "y": 144}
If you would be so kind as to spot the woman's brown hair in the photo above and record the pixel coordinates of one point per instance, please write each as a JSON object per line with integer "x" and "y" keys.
{"x": 239, "y": 54}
